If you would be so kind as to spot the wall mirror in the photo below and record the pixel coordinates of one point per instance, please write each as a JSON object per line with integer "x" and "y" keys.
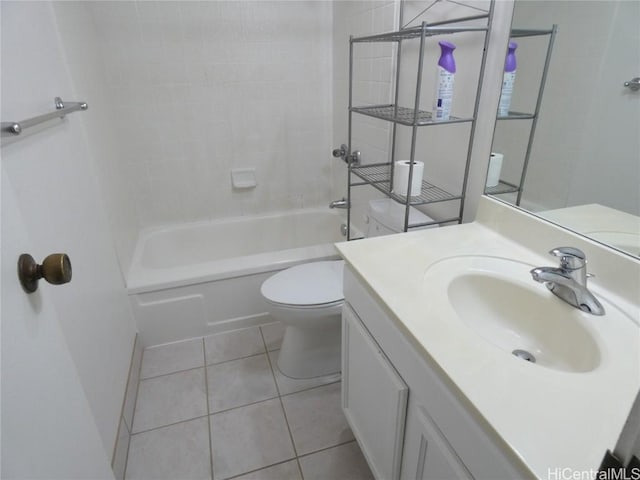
{"x": 583, "y": 169}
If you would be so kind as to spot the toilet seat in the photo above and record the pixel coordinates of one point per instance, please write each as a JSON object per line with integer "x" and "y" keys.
{"x": 310, "y": 285}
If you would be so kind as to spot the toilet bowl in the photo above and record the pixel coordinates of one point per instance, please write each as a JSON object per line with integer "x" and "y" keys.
{"x": 308, "y": 300}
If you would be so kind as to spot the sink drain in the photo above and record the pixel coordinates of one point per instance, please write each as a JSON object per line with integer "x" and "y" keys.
{"x": 523, "y": 354}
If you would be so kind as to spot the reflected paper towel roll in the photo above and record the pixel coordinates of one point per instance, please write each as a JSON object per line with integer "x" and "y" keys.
{"x": 401, "y": 177}
{"x": 495, "y": 167}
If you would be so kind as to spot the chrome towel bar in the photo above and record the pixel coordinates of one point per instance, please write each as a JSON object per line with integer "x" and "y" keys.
{"x": 62, "y": 109}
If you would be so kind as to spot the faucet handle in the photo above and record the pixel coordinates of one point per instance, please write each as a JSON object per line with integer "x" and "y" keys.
{"x": 570, "y": 258}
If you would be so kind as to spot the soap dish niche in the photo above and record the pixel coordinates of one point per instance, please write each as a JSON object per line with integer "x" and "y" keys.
{"x": 243, "y": 178}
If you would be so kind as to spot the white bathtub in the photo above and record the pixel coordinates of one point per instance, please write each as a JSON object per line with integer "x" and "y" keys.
{"x": 197, "y": 279}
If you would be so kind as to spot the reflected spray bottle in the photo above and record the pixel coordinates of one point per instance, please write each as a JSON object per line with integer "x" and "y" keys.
{"x": 508, "y": 80}
{"x": 444, "y": 82}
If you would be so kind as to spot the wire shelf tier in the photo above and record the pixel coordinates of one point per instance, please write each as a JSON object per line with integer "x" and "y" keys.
{"x": 530, "y": 32}
{"x": 502, "y": 187}
{"x": 379, "y": 177}
{"x": 404, "y": 115}
{"x": 517, "y": 116}
{"x": 416, "y": 32}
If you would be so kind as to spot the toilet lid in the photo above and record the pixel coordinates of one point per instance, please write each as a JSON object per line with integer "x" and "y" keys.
{"x": 314, "y": 283}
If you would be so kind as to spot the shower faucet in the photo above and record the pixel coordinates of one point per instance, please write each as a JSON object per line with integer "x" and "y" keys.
{"x": 342, "y": 203}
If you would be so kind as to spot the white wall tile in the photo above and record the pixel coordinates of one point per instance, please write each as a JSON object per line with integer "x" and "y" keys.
{"x": 208, "y": 86}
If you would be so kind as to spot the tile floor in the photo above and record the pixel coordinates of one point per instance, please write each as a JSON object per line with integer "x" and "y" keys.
{"x": 217, "y": 407}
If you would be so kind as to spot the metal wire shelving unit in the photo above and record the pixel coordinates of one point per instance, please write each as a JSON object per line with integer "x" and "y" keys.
{"x": 380, "y": 175}
{"x": 503, "y": 186}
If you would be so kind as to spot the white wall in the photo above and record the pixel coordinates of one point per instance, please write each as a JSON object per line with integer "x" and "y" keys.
{"x": 80, "y": 51}
{"x": 587, "y": 147}
{"x": 48, "y": 430}
{"x": 53, "y": 174}
{"x": 198, "y": 88}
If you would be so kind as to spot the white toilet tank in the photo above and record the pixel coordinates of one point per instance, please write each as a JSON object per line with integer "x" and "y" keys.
{"x": 386, "y": 216}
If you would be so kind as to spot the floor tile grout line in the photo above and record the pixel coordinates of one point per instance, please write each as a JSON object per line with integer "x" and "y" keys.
{"x": 242, "y": 406}
{"x": 169, "y": 424}
{"x": 284, "y": 412}
{"x": 210, "y": 414}
{"x": 309, "y": 388}
{"x": 135, "y": 406}
{"x": 234, "y": 359}
{"x": 261, "y": 468}
{"x": 206, "y": 389}
{"x": 205, "y": 365}
{"x": 323, "y": 449}
{"x": 273, "y": 375}
{"x": 171, "y": 373}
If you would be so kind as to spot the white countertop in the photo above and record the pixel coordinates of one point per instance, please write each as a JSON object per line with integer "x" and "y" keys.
{"x": 605, "y": 224}
{"x": 550, "y": 419}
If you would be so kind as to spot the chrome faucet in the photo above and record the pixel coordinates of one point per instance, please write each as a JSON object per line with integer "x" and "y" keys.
{"x": 569, "y": 281}
{"x": 342, "y": 203}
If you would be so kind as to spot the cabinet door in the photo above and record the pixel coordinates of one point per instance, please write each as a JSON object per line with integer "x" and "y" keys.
{"x": 427, "y": 454}
{"x": 374, "y": 398}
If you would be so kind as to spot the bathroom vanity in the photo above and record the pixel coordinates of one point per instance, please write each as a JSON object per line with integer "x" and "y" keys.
{"x": 431, "y": 387}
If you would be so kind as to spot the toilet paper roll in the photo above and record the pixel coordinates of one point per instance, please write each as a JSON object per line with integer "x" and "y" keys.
{"x": 401, "y": 177}
{"x": 495, "y": 167}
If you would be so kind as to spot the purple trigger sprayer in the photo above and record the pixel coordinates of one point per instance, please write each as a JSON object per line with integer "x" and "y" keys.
{"x": 508, "y": 80}
{"x": 444, "y": 82}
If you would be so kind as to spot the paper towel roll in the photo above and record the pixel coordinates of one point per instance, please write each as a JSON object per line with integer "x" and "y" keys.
{"x": 495, "y": 167}
{"x": 401, "y": 177}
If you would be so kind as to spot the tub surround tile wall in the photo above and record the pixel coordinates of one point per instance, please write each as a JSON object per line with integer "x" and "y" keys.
{"x": 373, "y": 81}
{"x": 440, "y": 148}
{"x": 80, "y": 44}
{"x": 210, "y": 86}
{"x": 249, "y": 428}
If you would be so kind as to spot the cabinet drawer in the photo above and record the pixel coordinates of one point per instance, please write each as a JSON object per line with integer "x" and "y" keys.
{"x": 374, "y": 398}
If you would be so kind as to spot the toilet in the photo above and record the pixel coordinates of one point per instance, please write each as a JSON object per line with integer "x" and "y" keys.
{"x": 308, "y": 300}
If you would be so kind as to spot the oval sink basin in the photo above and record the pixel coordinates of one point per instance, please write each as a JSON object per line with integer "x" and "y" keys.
{"x": 516, "y": 318}
{"x": 498, "y": 300}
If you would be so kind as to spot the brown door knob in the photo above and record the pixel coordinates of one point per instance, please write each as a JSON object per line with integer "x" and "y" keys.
{"x": 55, "y": 269}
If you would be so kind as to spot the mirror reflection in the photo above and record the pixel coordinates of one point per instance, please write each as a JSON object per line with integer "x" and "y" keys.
{"x": 583, "y": 168}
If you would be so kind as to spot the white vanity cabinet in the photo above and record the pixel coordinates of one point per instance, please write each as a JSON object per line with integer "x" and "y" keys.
{"x": 406, "y": 418}
{"x": 374, "y": 398}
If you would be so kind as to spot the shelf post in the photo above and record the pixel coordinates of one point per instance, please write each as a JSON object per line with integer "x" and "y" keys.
{"x": 414, "y": 132}
{"x": 543, "y": 80}
{"x": 349, "y": 138}
{"x": 476, "y": 106}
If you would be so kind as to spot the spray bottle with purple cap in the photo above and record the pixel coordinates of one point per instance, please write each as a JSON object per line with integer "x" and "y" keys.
{"x": 508, "y": 80}
{"x": 444, "y": 82}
